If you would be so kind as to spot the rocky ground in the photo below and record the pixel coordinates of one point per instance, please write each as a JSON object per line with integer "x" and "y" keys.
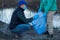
{"x": 28, "y": 35}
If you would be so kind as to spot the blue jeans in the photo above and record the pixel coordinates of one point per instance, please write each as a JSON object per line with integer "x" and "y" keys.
{"x": 21, "y": 28}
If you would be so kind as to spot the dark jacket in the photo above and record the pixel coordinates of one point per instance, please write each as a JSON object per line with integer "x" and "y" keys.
{"x": 18, "y": 17}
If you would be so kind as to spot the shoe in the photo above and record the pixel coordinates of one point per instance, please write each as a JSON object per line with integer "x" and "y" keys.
{"x": 16, "y": 35}
{"x": 50, "y": 35}
{"x": 46, "y": 32}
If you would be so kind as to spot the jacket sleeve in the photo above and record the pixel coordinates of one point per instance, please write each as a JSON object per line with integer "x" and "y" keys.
{"x": 50, "y": 3}
{"x": 41, "y": 6}
{"x": 22, "y": 17}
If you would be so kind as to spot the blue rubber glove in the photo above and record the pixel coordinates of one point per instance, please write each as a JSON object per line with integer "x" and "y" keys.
{"x": 44, "y": 15}
{"x": 36, "y": 17}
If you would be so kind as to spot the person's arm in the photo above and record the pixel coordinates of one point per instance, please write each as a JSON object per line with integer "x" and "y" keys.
{"x": 41, "y": 5}
{"x": 22, "y": 17}
{"x": 50, "y": 3}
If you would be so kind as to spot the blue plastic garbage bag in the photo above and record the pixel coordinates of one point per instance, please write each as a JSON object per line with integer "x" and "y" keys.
{"x": 39, "y": 23}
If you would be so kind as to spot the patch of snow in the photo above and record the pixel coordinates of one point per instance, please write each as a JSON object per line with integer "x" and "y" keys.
{"x": 28, "y": 13}
{"x": 56, "y": 21}
{"x": 6, "y": 15}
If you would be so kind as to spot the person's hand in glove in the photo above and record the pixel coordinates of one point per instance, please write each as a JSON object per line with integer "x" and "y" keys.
{"x": 35, "y": 16}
